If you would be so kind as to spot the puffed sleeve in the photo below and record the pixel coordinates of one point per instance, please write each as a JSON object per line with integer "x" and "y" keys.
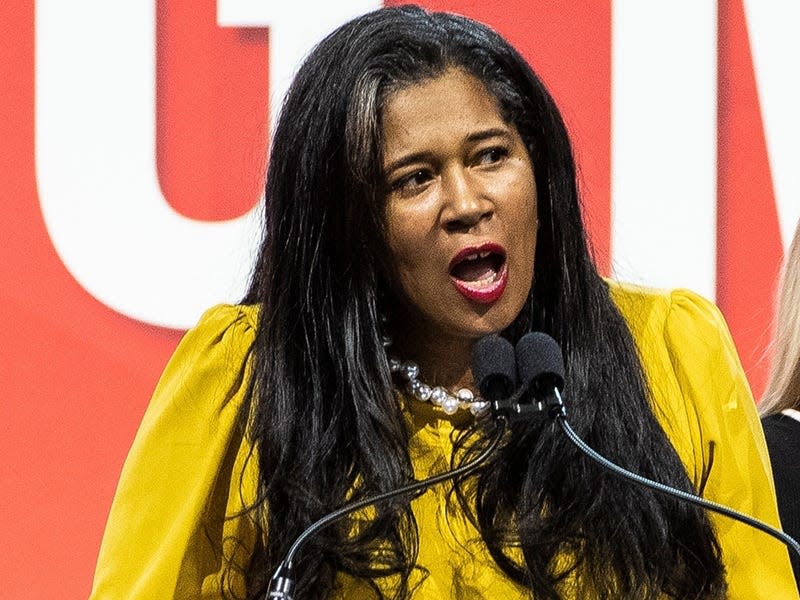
{"x": 177, "y": 528}
{"x": 725, "y": 451}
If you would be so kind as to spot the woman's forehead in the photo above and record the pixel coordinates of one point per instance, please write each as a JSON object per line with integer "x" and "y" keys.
{"x": 453, "y": 103}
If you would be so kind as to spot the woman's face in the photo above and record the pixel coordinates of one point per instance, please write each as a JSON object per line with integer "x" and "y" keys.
{"x": 460, "y": 209}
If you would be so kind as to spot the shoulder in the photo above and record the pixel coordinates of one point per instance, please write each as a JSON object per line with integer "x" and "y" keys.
{"x": 210, "y": 366}
{"x": 232, "y": 325}
{"x": 698, "y": 388}
{"x": 650, "y": 310}
{"x": 223, "y": 336}
{"x": 679, "y": 328}
{"x": 781, "y": 422}
{"x": 682, "y": 337}
{"x": 783, "y": 435}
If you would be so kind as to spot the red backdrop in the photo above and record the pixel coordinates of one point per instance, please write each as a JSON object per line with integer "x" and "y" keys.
{"x": 76, "y": 376}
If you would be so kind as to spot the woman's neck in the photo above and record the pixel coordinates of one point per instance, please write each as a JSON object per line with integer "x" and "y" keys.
{"x": 442, "y": 361}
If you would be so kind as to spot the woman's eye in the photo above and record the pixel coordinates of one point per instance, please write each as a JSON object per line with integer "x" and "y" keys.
{"x": 408, "y": 184}
{"x": 492, "y": 155}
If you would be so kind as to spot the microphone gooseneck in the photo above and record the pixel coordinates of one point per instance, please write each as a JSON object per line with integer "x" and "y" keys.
{"x": 660, "y": 487}
{"x": 282, "y": 583}
{"x": 494, "y": 370}
{"x": 545, "y": 377}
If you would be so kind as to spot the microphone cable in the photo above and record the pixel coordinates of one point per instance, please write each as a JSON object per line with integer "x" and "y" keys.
{"x": 559, "y": 413}
{"x": 282, "y": 583}
{"x": 541, "y": 369}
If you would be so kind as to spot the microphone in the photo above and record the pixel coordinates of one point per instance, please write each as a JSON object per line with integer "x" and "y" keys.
{"x": 495, "y": 373}
{"x": 541, "y": 369}
{"x": 497, "y": 366}
{"x": 494, "y": 370}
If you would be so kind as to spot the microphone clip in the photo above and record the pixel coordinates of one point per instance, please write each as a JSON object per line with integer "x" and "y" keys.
{"x": 530, "y": 401}
{"x": 520, "y": 406}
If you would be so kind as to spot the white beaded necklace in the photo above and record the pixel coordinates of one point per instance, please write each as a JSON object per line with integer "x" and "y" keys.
{"x": 463, "y": 399}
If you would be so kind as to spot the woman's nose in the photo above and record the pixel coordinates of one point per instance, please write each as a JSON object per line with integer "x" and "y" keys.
{"x": 466, "y": 203}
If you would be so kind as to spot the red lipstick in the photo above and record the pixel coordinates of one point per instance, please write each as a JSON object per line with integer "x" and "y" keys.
{"x": 479, "y": 273}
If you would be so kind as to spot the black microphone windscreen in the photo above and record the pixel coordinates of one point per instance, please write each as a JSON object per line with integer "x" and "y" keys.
{"x": 493, "y": 367}
{"x": 539, "y": 361}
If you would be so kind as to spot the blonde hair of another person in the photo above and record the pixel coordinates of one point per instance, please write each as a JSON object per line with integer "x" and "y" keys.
{"x": 783, "y": 388}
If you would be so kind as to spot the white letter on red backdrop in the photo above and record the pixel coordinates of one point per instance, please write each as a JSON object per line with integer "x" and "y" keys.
{"x": 96, "y": 164}
{"x": 775, "y": 46}
{"x": 294, "y": 29}
{"x": 664, "y": 143}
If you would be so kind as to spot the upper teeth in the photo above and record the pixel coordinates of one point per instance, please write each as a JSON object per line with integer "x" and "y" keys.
{"x": 476, "y": 255}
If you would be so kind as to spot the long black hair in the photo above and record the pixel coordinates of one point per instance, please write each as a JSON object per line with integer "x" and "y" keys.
{"x": 323, "y": 417}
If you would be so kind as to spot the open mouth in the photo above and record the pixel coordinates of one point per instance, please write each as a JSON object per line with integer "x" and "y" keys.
{"x": 479, "y": 273}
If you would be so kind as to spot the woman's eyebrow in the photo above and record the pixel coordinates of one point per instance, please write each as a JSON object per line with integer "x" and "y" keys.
{"x": 484, "y": 134}
{"x": 476, "y": 136}
{"x": 407, "y": 160}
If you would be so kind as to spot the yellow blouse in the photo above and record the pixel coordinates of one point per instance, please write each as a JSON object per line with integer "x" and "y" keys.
{"x": 175, "y": 528}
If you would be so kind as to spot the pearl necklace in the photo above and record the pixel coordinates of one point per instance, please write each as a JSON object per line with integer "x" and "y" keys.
{"x": 438, "y": 396}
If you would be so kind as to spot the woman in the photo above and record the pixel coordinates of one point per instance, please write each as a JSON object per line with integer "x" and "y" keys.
{"x": 421, "y": 193}
{"x": 780, "y": 407}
